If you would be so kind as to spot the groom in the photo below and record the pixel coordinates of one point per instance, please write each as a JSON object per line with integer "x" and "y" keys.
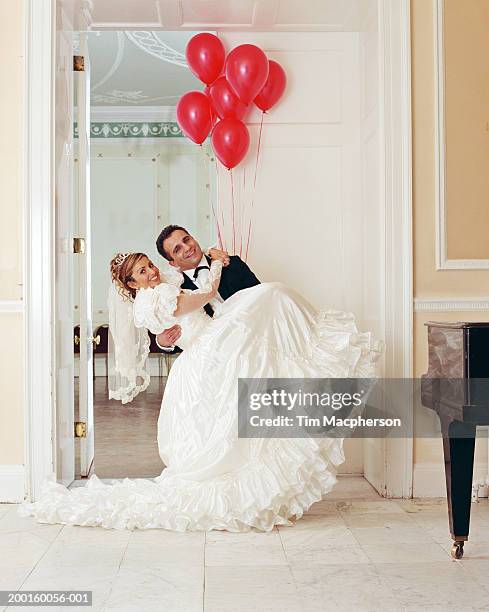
{"x": 184, "y": 253}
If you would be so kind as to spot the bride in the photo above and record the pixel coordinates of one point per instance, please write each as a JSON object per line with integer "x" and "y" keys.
{"x": 213, "y": 479}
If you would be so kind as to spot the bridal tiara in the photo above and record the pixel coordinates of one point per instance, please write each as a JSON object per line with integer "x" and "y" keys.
{"x": 121, "y": 258}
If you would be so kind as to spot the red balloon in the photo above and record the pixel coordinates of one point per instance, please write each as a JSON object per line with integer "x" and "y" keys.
{"x": 225, "y": 101}
{"x": 205, "y": 56}
{"x": 247, "y": 71}
{"x": 230, "y": 141}
{"x": 194, "y": 116}
{"x": 274, "y": 87}
{"x": 207, "y": 91}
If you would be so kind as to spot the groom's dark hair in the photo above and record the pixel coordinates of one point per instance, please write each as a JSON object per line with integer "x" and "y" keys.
{"x": 165, "y": 233}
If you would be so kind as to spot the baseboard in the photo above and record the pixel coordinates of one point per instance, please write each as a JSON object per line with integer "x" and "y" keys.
{"x": 12, "y": 483}
{"x": 429, "y": 478}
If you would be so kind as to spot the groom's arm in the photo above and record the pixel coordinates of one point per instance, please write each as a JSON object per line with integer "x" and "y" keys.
{"x": 246, "y": 276}
{"x": 167, "y": 339}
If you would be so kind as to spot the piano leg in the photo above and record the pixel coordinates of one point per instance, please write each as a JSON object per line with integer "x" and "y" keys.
{"x": 458, "y": 449}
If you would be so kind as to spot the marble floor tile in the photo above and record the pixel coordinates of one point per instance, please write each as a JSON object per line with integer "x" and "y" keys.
{"x": 323, "y": 508}
{"x": 313, "y": 522}
{"x": 157, "y": 548}
{"x": 74, "y": 534}
{"x": 352, "y": 487}
{"x": 251, "y": 589}
{"x": 382, "y": 519}
{"x": 21, "y": 549}
{"x": 12, "y": 577}
{"x": 477, "y": 568}
{"x": 251, "y": 548}
{"x": 97, "y": 579}
{"x": 171, "y": 588}
{"x": 330, "y": 545}
{"x": 4, "y": 508}
{"x": 76, "y": 556}
{"x": 12, "y": 522}
{"x": 345, "y": 588}
{"x": 424, "y": 585}
{"x": 384, "y": 506}
{"x": 419, "y": 504}
{"x": 404, "y": 534}
{"x": 405, "y": 552}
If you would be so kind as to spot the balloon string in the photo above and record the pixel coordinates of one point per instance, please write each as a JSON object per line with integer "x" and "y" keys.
{"x": 220, "y": 205}
{"x": 219, "y": 237}
{"x": 254, "y": 187}
{"x": 232, "y": 201}
{"x": 242, "y": 216}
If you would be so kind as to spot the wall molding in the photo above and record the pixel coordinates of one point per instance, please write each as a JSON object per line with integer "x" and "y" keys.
{"x": 429, "y": 478}
{"x": 133, "y": 113}
{"x": 131, "y": 129}
{"x": 447, "y": 304}
{"x": 38, "y": 245}
{"x": 11, "y": 306}
{"x": 12, "y": 483}
{"x": 441, "y": 239}
{"x": 396, "y": 190}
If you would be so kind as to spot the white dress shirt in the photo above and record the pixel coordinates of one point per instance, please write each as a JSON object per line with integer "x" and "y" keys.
{"x": 202, "y": 277}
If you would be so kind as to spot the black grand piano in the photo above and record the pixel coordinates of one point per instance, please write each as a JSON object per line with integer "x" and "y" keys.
{"x": 456, "y": 386}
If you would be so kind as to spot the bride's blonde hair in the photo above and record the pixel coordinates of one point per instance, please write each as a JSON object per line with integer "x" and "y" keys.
{"x": 121, "y": 269}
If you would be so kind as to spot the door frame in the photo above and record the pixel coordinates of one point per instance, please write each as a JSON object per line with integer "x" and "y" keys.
{"x": 39, "y": 207}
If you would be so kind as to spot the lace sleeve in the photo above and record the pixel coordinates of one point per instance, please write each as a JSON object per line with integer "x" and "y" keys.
{"x": 171, "y": 275}
{"x": 214, "y": 274}
{"x": 154, "y": 308}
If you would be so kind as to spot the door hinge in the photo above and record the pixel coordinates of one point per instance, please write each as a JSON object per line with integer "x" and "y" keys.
{"x": 78, "y": 63}
{"x": 79, "y": 245}
{"x": 80, "y": 429}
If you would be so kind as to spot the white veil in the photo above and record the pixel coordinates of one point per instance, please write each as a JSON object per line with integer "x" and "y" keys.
{"x": 128, "y": 349}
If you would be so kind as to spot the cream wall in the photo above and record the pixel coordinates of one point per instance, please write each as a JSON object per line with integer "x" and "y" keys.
{"x": 467, "y": 128}
{"x": 11, "y": 318}
{"x": 429, "y": 282}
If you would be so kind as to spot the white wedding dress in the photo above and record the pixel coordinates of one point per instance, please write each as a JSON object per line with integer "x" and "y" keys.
{"x": 213, "y": 479}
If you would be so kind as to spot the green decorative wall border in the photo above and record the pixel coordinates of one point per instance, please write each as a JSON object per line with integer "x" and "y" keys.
{"x": 129, "y": 129}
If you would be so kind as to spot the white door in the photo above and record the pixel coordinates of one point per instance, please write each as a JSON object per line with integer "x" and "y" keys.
{"x": 64, "y": 388}
{"x": 85, "y": 283}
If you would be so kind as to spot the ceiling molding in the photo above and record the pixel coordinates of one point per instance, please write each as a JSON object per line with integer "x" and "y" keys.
{"x": 245, "y": 15}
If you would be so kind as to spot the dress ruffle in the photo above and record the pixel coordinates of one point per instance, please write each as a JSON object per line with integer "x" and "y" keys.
{"x": 215, "y": 480}
{"x": 258, "y": 496}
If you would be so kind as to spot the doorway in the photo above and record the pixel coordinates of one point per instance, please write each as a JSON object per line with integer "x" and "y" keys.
{"x": 144, "y": 175}
{"x": 351, "y": 67}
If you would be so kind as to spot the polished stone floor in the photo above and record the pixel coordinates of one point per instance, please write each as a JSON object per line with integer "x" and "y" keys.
{"x": 354, "y": 551}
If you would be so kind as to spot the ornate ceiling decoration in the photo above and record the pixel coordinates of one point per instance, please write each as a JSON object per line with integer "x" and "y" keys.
{"x": 150, "y": 43}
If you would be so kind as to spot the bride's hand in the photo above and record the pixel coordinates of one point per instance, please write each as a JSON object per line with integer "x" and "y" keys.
{"x": 216, "y": 254}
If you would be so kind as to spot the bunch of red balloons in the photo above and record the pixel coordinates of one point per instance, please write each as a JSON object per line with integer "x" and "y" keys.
{"x": 246, "y": 75}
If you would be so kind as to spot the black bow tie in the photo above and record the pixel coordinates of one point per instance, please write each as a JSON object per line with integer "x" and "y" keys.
{"x": 198, "y": 269}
